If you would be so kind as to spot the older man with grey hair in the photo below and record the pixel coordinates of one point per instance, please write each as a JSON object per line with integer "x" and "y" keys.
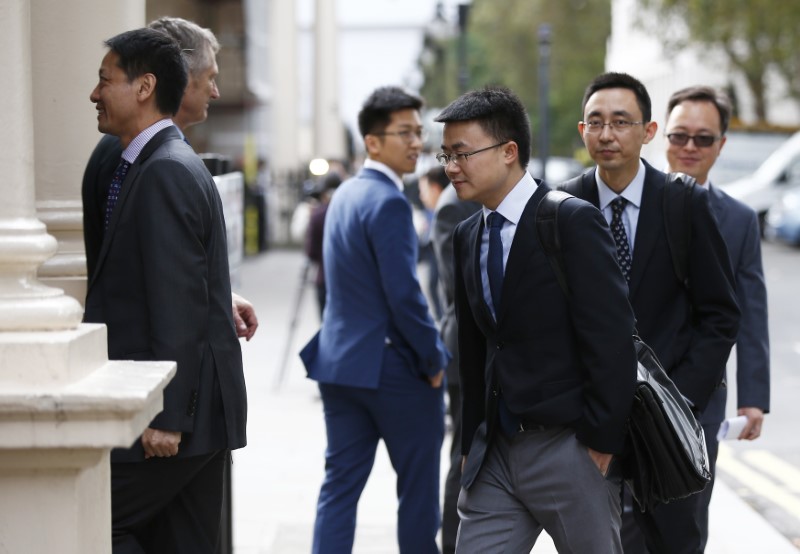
{"x": 200, "y": 47}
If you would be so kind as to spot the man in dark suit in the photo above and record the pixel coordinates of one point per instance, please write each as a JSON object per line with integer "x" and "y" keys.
{"x": 697, "y": 120}
{"x": 690, "y": 329}
{"x": 449, "y": 211}
{"x": 547, "y": 381}
{"x": 199, "y": 47}
{"x": 378, "y": 357}
{"x": 162, "y": 287}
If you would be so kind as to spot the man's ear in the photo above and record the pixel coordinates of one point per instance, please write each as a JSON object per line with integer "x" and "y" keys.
{"x": 510, "y": 152}
{"x": 146, "y": 87}
{"x": 372, "y": 143}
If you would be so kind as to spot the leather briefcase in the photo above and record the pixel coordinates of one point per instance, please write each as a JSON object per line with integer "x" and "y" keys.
{"x": 667, "y": 457}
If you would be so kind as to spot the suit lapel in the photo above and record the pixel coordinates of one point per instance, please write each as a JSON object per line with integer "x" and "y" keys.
{"x": 473, "y": 281}
{"x": 131, "y": 179}
{"x": 526, "y": 241}
{"x": 648, "y": 227}
{"x": 717, "y": 205}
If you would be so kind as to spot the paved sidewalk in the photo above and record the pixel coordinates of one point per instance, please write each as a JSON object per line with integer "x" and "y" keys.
{"x": 276, "y": 478}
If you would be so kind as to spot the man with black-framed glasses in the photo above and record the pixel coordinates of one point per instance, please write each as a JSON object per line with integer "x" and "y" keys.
{"x": 547, "y": 382}
{"x": 378, "y": 357}
{"x": 697, "y": 120}
{"x": 691, "y": 325}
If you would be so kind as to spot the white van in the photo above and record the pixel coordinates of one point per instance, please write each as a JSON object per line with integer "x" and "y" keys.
{"x": 777, "y": 174}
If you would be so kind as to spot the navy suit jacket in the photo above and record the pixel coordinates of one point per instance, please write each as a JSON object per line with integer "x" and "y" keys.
{"x": 738, "y": 224}
{"x": 160, "y": 283}
{"x": 692, "y": 331}
{"x": 556, "y": 361}
{"x": 374, "y": 300}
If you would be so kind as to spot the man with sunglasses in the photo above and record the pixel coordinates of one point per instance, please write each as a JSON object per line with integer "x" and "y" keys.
{"x": 697, "y": 120}
{"x": 547, "y": 381}
{"x": 378, "y": 357}
{"x": 691, "y": 328}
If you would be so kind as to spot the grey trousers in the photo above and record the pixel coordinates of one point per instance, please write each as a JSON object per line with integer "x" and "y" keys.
{"x": 542, "y": 479}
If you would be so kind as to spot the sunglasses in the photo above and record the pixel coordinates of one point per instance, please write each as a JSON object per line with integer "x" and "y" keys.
{"x": 700, "y": 141}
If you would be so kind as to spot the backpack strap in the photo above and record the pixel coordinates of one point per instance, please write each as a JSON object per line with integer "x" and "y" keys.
{"x": 677, "y": 204}
{"x": 549, "y": 236}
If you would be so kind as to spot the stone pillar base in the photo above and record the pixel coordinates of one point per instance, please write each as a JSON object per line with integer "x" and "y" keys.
{"x": 63, "y": 407}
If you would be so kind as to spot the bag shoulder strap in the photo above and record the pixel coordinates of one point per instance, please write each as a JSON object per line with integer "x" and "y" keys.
{"x": 549, "y": 236}
{"x": 677, "y": 206}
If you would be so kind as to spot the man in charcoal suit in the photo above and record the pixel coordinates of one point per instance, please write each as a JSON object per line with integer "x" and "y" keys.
{"x": 162, "y": 287}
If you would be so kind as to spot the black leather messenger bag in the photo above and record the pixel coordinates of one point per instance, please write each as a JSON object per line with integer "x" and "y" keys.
{"x": 666, "y": 457}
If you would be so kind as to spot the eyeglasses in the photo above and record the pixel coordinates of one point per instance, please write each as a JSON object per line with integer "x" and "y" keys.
{"x": 617, "y": 125}
{"x": 460, "y": 157}
{"x": 700, "y": 141}
{"x": 406, "y": 136}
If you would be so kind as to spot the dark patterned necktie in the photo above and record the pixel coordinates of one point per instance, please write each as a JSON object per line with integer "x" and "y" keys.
{"x": 115, "y": 187}
{"x": 621, "y": 237}
{"x": 494, "y": 260}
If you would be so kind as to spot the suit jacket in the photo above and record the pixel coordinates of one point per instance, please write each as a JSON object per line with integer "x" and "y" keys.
{"x": 738, "y": 224}
{"x": 94, "y": 192}
{"x": 449, "y": 212}
{"x": 161, "y": 285}
{"x": 374, "y": 300}
{"x": 555, "y": 361}
{"x": 692, "y": 331}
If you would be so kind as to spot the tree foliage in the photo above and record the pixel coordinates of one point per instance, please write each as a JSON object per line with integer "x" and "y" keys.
{"x": 503, "y": 49}
{"x": 756, "y": 36}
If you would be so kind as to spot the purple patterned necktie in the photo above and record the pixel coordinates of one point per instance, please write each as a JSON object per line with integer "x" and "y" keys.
{"x": 114, "y": 188}
{"x": 621, "y": 237}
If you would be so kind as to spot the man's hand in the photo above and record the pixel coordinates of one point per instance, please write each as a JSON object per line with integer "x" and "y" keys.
{"x": 755, "y": 419}
{"x": 436, "y": 380}
{"x": 601, "y": 460}
{"x": 244, "y": 316}
{"x": 160, "y": 444}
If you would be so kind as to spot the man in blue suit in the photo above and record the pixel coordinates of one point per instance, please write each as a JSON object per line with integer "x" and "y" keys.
{"x": 697, "y": 119}
{"x": 378, "y": 357}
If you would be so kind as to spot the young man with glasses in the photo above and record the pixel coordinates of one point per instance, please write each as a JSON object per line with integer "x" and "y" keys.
{"x": 547, "y": 382}
{"x": 691, "y": 329}
{"x": 378, "y": 357}
{"x": 697, "y": 120}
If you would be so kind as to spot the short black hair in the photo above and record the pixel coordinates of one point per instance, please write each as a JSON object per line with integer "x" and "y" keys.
{"x": 147, "y": 50}
{"x": 700, "y": 93}
{"x": 376, "y": 113}
{"x": 621, "y": 80}
{"x": 438, "y": 176}
{"x": 500, "y": 114}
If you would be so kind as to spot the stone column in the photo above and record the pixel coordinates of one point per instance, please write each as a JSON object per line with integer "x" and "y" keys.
{"x": 63, "y": 406}
{"x": 329, "y": 137}
{"x": 66, "y": 54}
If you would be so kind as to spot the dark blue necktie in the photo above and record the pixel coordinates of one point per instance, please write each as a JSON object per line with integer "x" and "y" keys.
{"x": 509, "y": 423}
{"x": 621, "y": 237}
{"x": 494, "y": 260}
{"x": 115, "y": 187}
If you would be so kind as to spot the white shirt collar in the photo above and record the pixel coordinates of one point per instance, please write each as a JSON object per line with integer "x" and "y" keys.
{"x": 632, "y": 193}
{"x": 515, "y": 201}
{"x": 138, "y": 143}
{"x": 369, "y": 163}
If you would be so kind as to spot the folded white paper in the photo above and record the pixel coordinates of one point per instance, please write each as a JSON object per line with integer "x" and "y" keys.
{"x": 731, "y": 428}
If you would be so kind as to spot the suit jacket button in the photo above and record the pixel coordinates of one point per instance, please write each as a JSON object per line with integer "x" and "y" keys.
{"x": 500, "y": 345}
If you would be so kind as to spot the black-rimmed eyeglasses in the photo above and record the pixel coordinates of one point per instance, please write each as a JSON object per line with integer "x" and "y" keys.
{"x": 617, "y": 125}
{"x": 406, "y": 136}
{"x": 460, "y": 157}
{"x": 700, "y": 141}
